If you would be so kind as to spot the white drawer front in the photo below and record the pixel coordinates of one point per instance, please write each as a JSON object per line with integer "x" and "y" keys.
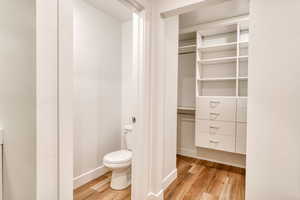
{"x": 242, "y": 110}
{"x": 241, "y": 138}
{"x": 215, "y": 127}
{"x": 217, "y": 142}
{"x": 221, "y": 109}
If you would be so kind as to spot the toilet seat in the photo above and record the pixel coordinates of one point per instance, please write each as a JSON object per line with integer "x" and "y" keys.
{"x": 118, "y": 159}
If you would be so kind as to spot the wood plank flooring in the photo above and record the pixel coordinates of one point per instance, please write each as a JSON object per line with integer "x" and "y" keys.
{"x": 203, "y": 180}
{"x": 99, "y": 189}
{"x": 197, "y": 180}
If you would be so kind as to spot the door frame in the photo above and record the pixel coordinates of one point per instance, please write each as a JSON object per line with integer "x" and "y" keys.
{"x": 141, "y": 161}
{"x": 141, "y": 61}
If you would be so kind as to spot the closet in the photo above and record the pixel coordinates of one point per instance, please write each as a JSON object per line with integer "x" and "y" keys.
{"x": 221, "y": 88}
{"x": 213, "y": 90}
{"x": 186, "y": 94}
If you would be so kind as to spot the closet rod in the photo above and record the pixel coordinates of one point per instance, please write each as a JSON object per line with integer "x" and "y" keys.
{"x": 190, "y": 52}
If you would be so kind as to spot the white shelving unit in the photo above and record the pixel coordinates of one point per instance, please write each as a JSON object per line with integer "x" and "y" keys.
{"x": 222, "y": 87}
{"x": 217, "y": 79}
{"x": 218, "y": 60}
{"x": 218, "y": 47}
{"x": 188, "y": 46}
{"x": 222, "y": 56}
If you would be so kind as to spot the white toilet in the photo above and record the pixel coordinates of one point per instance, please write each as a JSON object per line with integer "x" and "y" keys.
{"x": 120, "y": 163}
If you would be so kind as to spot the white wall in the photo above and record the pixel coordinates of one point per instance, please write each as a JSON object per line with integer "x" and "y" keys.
{"x": 273, "y": 160}
{"x": 170, "y": 96}
{"x": 17, "y": 102}
{"x": 47, "y": 99}
{"x": 129, "y": 76}
{"x": 97, "y": 62}
{"x": 65, "y": 92}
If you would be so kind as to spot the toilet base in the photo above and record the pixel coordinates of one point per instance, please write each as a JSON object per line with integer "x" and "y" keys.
{"x": 121, "y": 178}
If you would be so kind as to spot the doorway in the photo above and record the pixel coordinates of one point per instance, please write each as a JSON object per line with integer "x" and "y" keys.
{"x": 98, "y": 83}
{"x": 107, "y": 85}
{"x": 210, "y": 83}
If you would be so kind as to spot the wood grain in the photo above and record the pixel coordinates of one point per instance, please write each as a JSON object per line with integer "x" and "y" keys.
{"x": 203, "y": 180}
{"x": 99, "y": 189}
{"x": 197, "y": 180}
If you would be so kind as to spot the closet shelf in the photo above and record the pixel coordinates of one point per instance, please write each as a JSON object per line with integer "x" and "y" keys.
{"x": 243, "y": 78}
{"x": 186, "y": 108}
{"x": 186, "y": 111}
{"x": 218, "y": 60}
{"x": 224, "y": 97}
{"x": 187, "y": 46}
{"x": 244, "y": 44}
{"x": 243, "y": 58}
{"x": 219, "y": 47}
{"x": 217, "y": 79}
{"x": 185, "y": 49}
{"x": 215, "y": 96}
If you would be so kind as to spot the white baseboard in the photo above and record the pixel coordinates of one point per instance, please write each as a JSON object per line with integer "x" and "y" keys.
{"x": 89, "y": 176}
{"x": 190, "y": 152}
{"x": 165, "y": 183}
{"x": 169, "y": 179}
{"x": 194, "y": 154}
{"x": 158, "y": 196}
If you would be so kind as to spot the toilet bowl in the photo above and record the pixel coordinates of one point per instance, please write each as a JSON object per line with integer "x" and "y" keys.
{"x": 120, "y": 163}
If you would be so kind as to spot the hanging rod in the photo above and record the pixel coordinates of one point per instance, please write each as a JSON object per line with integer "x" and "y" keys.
{"x": 189, "y": 52}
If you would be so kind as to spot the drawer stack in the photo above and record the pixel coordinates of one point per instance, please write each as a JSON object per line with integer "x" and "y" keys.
{"x": 221, "y": 123}
{"x": 241, "y": 127}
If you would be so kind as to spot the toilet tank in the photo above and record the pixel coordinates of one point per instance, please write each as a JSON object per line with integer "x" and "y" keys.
{"x": 128, "y": 136}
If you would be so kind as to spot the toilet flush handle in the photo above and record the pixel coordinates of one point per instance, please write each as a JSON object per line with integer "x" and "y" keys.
{"x": 133, "y": 119}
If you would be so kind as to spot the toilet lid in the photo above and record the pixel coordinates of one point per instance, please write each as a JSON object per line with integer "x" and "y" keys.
{"x": 118, "y": 157}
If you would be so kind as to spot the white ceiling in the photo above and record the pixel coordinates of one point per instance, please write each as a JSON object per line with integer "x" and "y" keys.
{"x": 113, "y": 8}
{"x": 211, "y": 13}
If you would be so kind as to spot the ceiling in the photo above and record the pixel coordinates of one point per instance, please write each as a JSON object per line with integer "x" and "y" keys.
{"x": 214, "y": 12}
{"x": 113, "y": 8}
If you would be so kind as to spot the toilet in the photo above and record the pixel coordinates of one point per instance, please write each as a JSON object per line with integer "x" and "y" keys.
{"x": 120, "y": 163}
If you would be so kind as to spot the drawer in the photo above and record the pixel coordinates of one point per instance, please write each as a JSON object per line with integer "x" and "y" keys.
{"x": 215, "y": 127}
{"x": 221, "y": 109}
{"x": 217, "y": 142}
{"x": 242, "y": 110}
{"x": 241, "y": 138}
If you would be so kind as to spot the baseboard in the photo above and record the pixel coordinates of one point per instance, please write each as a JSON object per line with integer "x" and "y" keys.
{"x": 165, "y": 183}
{"x": 190, "y": 152}
{"x": 169, "y": 179}
{"x": 89, "y": 176}
{"x": 158, "y": 196}
{"x": 193, "y": 154}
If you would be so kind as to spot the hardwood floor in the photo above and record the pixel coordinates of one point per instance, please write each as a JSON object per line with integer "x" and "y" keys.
{"x": 203, "y": 180}
{"x": 197, "y": 180}
{"x": 99, "y": 189}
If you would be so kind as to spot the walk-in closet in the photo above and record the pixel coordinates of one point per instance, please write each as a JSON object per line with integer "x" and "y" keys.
{"x": 212, "y": 91}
